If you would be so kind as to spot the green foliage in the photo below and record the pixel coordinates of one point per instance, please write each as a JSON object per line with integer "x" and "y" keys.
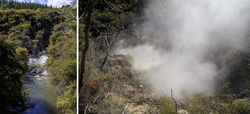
{"x": 30, "y": 31}
{"x": 12, "y": 68}
{"x": 47, "y": 18}
{"x": 107, "y": 18}
{"x": 67, "y": 102}
{"x": 57, "y": 37}
{"x": 166, "y": 106}
{"x": 112, "y": 103}
{"x": 212, "y": 105}
{"x": 31, "y": 28}
{"x": 73, "y": 26}
{"x": 106, "y": 87}
{"x": 239, "y": 107}
{"x": 60, "y": 27}
{"x": 201, "y": 105}
{"x": 22, "y": 56}
{"x": 39, "y": 34}
{"x": 225, "y": 92}
{"x": 112, "y": 79}
{"x": 246, "y": 91}
{"x": 11, "y": 18}
{"x": 110, "y": 15}
{"x": 69, "y": 12}
{"x": 21, "y": 31}
{"x": 30, "y": 19}
{"x": 225, "y": 89}
{"x": 239, "y": 77}
{"x": 62, "y": 65}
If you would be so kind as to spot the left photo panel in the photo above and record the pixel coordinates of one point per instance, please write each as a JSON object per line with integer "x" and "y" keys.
{"x": 38, "y": 57}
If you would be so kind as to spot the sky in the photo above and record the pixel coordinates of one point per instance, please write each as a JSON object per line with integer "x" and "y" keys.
{"x": 54, "y": 3}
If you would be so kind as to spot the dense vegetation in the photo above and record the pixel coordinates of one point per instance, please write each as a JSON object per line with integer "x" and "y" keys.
{"x": 110, "y": 86}
{"x": 31, "y": 27}
{"x": 13, "y": 65}
{"x": 28, "y": 33}
{"x": 11, "y": 4}
{"x": 23, "y": 32}
{"x": 101, "y": 83}
{"x": 62, "y": 61}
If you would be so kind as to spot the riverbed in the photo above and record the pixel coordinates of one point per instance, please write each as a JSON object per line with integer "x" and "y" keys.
{"x": 40, "y": 93}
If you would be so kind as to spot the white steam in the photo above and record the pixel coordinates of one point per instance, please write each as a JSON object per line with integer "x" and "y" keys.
{"x": 184, "y": 41}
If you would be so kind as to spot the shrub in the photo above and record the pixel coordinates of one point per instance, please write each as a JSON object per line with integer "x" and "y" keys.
{"x": 239, "y": 107}
{"x": 166, "y": 106}
{"x": 90, "y": 87}
{"x": 67, "y": 102}
{"x": 202, "y": 105}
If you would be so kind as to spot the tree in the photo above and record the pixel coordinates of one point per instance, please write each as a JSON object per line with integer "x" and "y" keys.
{"x": 84, "y": 51}
{"x": 12, "y": 68}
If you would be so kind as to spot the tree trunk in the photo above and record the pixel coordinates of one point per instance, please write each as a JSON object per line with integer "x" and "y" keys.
{"x": 84, "y": 51}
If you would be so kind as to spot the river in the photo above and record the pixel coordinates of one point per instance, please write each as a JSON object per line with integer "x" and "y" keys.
{"x": 40, "y": 93}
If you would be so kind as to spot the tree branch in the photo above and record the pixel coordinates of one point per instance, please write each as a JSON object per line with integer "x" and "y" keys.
{"x": 124, "y": 109}
{"x": 110, "y": 47}
{"x": 85, "y": 110}
{"x": 94, "y": 100}
{"x": 81, "y": 16}
{"x": 174, "y": 101}
{"x": 243, "y": 57}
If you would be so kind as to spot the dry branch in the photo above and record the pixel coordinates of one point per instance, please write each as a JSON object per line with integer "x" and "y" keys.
{"x": 93, "y": 101}
{"x": 127, "y": 104}
{"x": 124, "y": 109}
{"x": 110, "y": 47}
{"x": 174, "y": 101}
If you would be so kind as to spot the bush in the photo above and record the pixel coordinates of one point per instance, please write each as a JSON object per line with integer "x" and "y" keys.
{"x": 239, "y": 107}
{"x": 202, "y": 105}
{"x": 166, "y": 106}
{"x": 67, "y": 102}
{"x": 90, "y": 87}
{"x": 12, "y": 69}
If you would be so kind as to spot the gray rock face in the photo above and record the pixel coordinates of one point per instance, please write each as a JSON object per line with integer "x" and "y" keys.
{"x": 35, "y": 49}
{"x": 37, "y": 70}
{"x": 34, "y": 70}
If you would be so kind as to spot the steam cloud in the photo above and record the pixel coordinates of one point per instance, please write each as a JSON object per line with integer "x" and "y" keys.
{"x": 186, "y": 42}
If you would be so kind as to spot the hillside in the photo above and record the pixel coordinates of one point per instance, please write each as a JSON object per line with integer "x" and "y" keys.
{"x": 28, "y": 33}
{"x": 144, "y": 56}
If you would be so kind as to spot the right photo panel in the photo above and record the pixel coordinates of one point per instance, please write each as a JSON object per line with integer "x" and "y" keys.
{"x": 164, "y": 56}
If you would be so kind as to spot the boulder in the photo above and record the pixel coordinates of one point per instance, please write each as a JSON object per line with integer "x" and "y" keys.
{"x": 37, "y": 70}
{"x": 34, "y": 70}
